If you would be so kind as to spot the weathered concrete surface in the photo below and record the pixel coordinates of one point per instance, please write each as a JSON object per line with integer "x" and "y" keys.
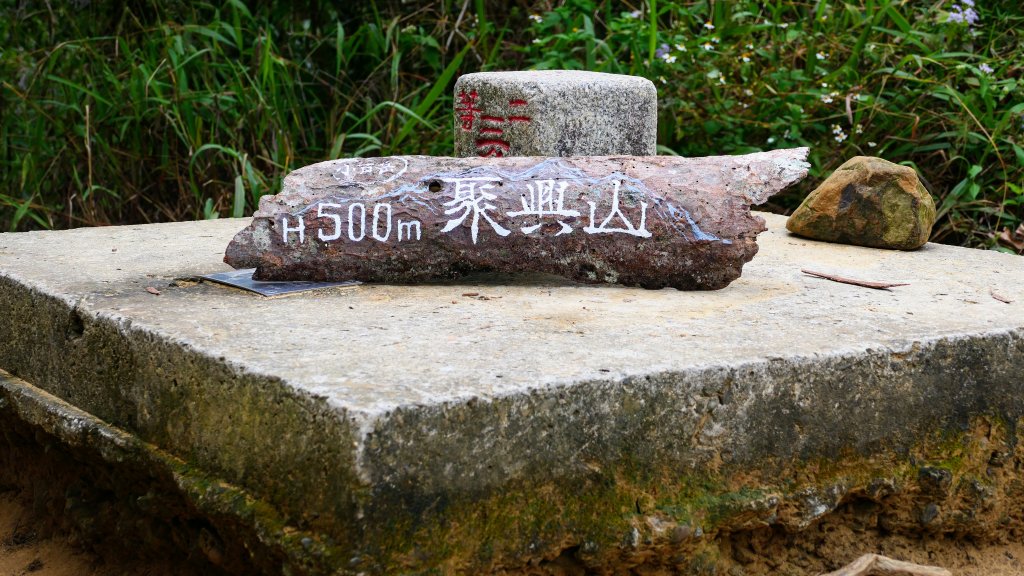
{"x": 503, "y": 421}
{"x": 652, "y": 221}
{"x": 130, "y": 499}
{"x": 555, "y": 113}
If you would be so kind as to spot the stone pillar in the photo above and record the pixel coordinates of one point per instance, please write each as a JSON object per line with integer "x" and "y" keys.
{"x": 555, "y": 113}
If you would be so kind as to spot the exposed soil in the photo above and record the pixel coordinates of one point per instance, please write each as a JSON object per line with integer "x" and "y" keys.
{"x": 834, "y": 543}
{"x": 23, "y": 551}
{"x": 26, "y": 549}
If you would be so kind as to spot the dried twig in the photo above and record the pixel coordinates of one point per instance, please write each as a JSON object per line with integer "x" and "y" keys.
{"x": 863, "y": 283}
{"x": 876, "y": 565}
{"x": 999, "y": 296}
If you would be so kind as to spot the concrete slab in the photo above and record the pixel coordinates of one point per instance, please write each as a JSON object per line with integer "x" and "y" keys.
{"x": 458, "y": 426}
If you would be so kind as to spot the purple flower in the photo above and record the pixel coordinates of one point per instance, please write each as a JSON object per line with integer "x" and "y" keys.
{"x": 662, "y": 51}
{"x": 984, "y": 67}
{"x": 961, "y": 15}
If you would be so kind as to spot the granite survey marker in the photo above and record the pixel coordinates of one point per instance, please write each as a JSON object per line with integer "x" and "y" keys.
{"x": 639, "y": 221}
{"x": 554, "y": 113}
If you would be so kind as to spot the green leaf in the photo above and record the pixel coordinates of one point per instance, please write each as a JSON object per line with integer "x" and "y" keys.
{"x": 898, "y": 19}
{"x": 212, "y": 146}
{"x": 78, "y": 87}
{"x": 439, "y": 87}
{"x": 238, "y": 210}
{"x": 208, "y": 212}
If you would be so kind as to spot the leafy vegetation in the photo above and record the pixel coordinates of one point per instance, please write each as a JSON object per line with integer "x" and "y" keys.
{"x": 117, "y": 112}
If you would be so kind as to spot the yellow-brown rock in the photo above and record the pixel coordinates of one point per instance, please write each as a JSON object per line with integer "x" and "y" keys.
{"x": 868, "y": 201}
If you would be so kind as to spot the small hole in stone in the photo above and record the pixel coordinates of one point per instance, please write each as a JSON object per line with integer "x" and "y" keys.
{"x": 434, "y": 186}
{"x": 76, "y": 326}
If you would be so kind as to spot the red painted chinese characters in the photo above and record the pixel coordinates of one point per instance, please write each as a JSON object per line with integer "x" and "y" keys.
{"x": 491, "y": 141}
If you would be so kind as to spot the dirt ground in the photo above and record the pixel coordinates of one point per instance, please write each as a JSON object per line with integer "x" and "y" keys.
{"x": 25, "y": 552}
{"x": 840, "y": 546}
{"x": 22, "y": 551}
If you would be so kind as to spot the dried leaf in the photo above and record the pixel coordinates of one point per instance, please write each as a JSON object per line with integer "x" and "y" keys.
{"x": 863, "y": 283}
{"x": 1012, "y": 240}
{"x": 878, "y": 565}
{"x": 999, "y": 296}
{"x": 152, "y": 290}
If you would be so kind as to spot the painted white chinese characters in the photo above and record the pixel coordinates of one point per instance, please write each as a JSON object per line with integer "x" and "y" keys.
{"x": 472, "y": 197}
{"x": 616, "y": 213}
{"x": 369, "y": 170}
{"x": 544, "y": 200}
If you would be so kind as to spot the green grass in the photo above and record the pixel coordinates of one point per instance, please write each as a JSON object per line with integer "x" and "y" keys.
{"x": 147, "y": 111}
{"x": 874, "y": 77}
{"x": 180, "y": 111}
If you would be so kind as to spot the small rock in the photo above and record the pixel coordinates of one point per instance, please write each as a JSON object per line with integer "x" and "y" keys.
{"x": 869, "y": 202}
{"x": 680, "y": 533}
{"x": 929, "y": 514}
{"x": 934, "y": 481}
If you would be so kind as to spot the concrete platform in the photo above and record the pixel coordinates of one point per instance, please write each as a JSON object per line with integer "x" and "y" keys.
{"x": 505, "y": 422}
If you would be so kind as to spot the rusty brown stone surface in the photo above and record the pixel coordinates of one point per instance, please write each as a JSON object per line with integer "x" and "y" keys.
{"x": 651, "y": 221}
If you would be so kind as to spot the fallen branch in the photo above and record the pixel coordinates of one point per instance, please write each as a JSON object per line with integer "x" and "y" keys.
{"x": 863, "y": 283}
{"x": 876, "y": 565}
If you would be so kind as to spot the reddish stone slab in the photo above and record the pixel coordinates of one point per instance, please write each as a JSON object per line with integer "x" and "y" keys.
{"x": 651, "y": 221}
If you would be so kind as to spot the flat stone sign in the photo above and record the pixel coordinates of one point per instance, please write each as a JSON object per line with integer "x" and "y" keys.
{"x": 554, "y": 113}
{"x": 640, "y": 221}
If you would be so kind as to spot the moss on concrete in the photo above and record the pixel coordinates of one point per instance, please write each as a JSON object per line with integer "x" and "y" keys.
{"x": 617, "y": 517}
